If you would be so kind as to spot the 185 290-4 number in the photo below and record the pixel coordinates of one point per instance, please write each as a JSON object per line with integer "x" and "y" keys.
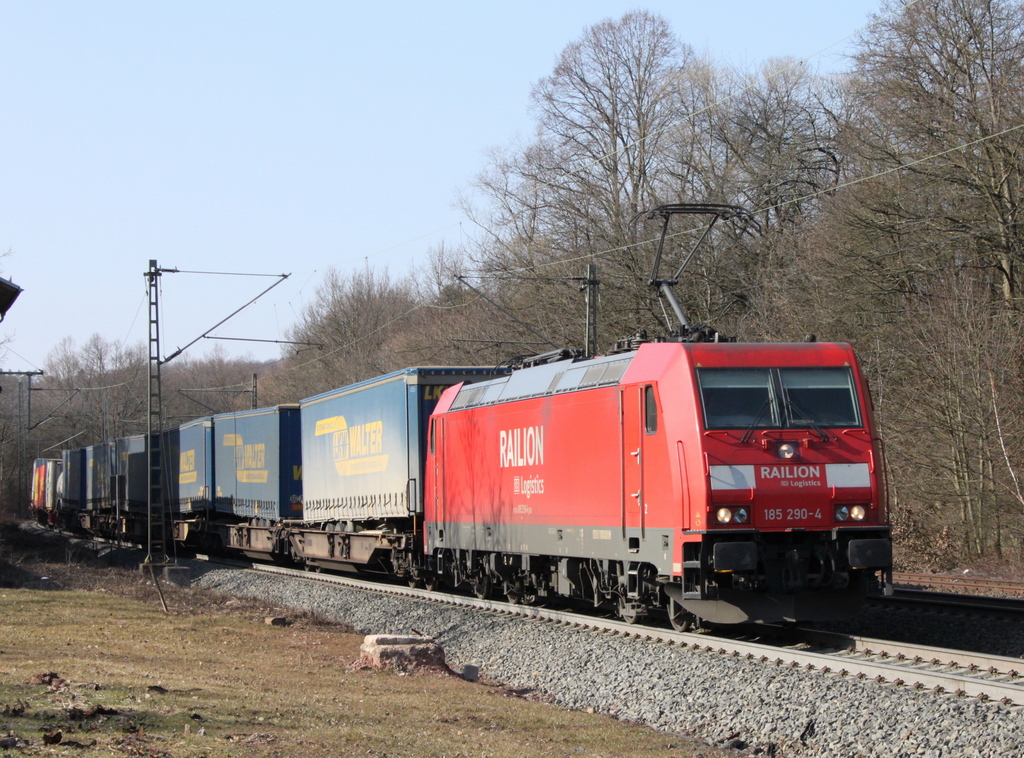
{"x": 791, "y": 514}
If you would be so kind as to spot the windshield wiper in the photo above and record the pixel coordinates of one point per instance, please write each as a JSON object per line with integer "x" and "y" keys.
{"x": 792, "y": 409}
{"x": 757, "y": 420}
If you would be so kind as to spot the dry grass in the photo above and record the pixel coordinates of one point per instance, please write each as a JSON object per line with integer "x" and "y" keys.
{"x": 211, "y": 679}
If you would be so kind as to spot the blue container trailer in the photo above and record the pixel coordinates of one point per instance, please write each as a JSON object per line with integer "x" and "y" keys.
{"x": 71, "y": 487}
{"x": 190, "y": 466}
{"x": 131, "y": 478}
{"x": 129, "y": 489}
{"x": 258, "y": 460}
{"x": 97, "y": 476}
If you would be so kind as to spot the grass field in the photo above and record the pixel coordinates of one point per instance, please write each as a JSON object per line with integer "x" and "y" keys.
{"x": 96, "y": 664}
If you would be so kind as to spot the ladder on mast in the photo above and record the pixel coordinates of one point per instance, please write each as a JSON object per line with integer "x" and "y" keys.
{"x": 157, "y": 521}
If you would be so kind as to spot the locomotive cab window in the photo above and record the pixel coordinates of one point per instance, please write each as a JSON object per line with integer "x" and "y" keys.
{"x": 650, "y": 410}
{"x": 737, "y": 398}
{"x": 778, "y": 398}
{"x": 819, "y": 396}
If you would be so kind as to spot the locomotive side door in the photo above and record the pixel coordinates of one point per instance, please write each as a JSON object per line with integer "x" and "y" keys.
{"x": 632, "y": 466}
{"x": 437, "y": 454}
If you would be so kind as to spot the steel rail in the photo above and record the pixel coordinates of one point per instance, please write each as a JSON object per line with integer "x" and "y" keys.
{"x": 982, "y": 605}
{"x": 960, "y": 582}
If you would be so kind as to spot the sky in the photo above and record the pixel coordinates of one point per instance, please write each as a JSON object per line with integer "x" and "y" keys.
{"x": 251, "y": 137}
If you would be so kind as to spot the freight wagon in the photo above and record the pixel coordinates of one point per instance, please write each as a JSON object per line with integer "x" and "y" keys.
{"x": 256, "y": 464}
{"x": 45, "y": 475}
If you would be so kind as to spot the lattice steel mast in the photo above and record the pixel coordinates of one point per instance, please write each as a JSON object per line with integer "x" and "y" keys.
{"x": 156, "y": 552}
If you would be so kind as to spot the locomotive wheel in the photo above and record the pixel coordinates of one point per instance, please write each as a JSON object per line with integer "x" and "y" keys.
{"x": 415, "y": 582}
{"x": 431, "y": 582}
{"x": 680, "y": 618}
{"x": 482, "y": 586}
{"x": 516, "y": 594}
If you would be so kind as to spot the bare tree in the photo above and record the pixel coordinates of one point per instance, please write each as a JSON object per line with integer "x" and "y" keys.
{"x": 354, "y": 318}
{"x": 941, "y": 88}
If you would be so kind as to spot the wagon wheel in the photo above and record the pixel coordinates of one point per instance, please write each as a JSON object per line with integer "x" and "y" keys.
{"x": 680, "y": 618}
{"x": 415, "y": 582}
{"x": 629, "y": 612}
{"x": 516, "y": 593}
{"x": 431, "y": 582}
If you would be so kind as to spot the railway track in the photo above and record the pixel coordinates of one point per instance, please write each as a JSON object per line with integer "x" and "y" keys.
{"x": 895, "y": 664}
{"x": 949, "y": 602}
{"x": 948, "y": 581}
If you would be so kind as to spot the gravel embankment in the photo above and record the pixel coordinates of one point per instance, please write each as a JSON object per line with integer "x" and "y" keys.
{"x": 703, "y": 695}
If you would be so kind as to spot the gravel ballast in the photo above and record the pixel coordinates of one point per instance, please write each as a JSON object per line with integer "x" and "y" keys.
{"x": 767, "y": 708}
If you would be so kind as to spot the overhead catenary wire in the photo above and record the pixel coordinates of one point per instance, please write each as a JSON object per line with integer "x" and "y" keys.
{"x": 777, "y": 206}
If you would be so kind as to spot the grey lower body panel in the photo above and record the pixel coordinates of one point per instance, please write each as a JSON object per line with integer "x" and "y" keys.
{"x": 653, "y": 546}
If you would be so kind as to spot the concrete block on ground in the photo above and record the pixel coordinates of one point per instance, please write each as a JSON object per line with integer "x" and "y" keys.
{"x": 179, "y": 575}
{"x": 403, "y": 652}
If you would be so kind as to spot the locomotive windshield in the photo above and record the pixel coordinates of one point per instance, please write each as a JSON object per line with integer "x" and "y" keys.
{"x": 778, "y": 398}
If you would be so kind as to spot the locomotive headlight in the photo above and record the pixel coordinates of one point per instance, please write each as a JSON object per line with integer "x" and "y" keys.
{"x": 851, "y": 512}
{"x": 786, "y": 450}
{"x": 723, "y": 515}
{"x": 741, "y": 515}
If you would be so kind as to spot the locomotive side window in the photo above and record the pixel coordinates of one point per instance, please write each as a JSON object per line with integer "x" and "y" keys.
{"x": 737, "y": 398}
{"x": 650, "y": 410}
{"x": 779, "y": 398}
{"x": 823, "y": 396}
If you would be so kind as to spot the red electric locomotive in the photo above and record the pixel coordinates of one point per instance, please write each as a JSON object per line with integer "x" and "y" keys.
{"x": 729, "y": 482}
{"x": 720, "y": 481}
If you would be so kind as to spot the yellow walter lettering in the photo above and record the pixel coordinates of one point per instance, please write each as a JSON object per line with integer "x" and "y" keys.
{"x": 359, "y": 440}
{"x": 359, "y": 449}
